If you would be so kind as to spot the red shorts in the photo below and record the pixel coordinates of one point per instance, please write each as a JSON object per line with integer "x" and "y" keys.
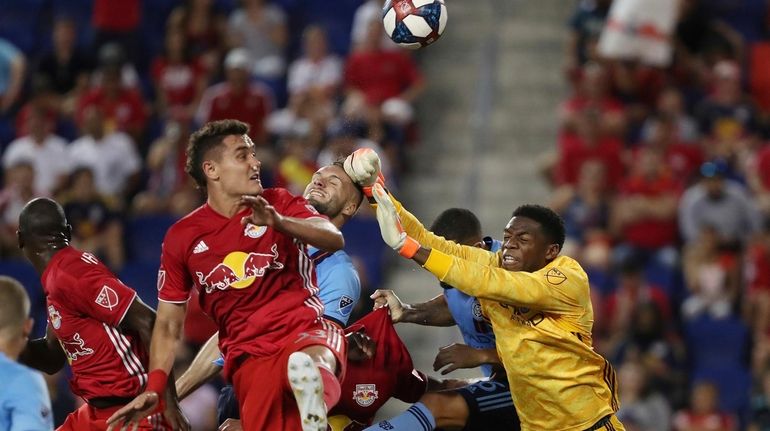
{"x": 88, "y": 418}
{"x": 265, "y": 399}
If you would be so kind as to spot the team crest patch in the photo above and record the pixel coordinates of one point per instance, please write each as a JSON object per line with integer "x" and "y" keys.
{"x": 346, "y": 305}
{"x": 554, "y": 276}
{"x": 365, "y": 395}
{"x": 54, "y": 317}
{"x": 254, "y": 231}
{"x": 477, "y": 310}
{"x": 107, "y": 298}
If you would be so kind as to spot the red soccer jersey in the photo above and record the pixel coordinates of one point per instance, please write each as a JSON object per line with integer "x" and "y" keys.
{"x": 86, "y": 303}
{"x": 389, "y": 373}
{"x": 257, "y": 284}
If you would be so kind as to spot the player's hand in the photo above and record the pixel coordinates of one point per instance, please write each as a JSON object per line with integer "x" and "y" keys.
{"x": 262, "y": 213}
{"x": 388, "y": 298}
{"x": 456, "y": 356}
{"x": 129, "y": 416}
{"x": 231, "y": 425}
{"x": 390, "y": 224}
{"x": 363, "y": 166}
{"x": 360, "y": 346}
{"x": 175, "y": 417}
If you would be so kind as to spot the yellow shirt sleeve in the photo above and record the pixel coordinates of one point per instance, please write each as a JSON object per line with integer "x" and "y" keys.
{"x": 559, "y": 287}
{"x": 428, "y": 239}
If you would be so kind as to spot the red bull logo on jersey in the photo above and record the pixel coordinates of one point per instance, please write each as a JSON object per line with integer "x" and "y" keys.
{"x": 365, "y": 395}
{"x": 238, "y": 270}
{"x": 75, "y": 347}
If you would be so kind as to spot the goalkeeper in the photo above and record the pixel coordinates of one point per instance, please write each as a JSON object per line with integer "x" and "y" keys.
{"x": 538, "y": 303}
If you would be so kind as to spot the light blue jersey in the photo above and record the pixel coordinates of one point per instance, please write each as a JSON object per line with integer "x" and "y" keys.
{"x": 24, "y": 401}
{"x": 466, "y": 311}
{"x": 338, "y": 283}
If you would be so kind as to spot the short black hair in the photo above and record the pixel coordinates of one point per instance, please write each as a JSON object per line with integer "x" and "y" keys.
{"x": 204, "y": 140}
{"x": 42, "y": 216}
{"x": 457, "y": 224}
{"x": 551, "y": 223}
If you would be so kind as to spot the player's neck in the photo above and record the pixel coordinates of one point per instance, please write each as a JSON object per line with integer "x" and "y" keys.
{"x": 223, "y": 204}
{"x": 42, "y": 257}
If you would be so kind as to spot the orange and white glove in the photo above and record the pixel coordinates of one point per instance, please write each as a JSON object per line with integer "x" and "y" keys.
{"x": 363, "y": 167}
{"x": 390, "y": 224}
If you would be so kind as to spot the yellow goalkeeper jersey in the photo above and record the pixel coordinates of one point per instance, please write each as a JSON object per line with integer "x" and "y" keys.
{"x": 542, "y": 322}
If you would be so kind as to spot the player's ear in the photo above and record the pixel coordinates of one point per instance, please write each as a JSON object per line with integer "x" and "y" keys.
{"x": 350, "y": 209}
{"x": 210, "y": 170}
{"x": 552, "y": 251}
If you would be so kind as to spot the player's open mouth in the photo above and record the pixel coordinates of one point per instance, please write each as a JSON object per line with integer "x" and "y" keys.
{"x": 315, "y": 192}
{"x": 509, "y": 260}
{"x": 254, "y": 177}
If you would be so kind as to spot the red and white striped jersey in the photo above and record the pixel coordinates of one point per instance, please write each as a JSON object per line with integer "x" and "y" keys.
{"x": 257, "y": 284}
{"x": 86, "y": 304}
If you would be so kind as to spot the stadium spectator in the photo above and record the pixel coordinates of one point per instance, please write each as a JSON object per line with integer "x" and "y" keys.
{"x": 756, "y": 300}
{"x": 727, "y": 113}
{"x": 260, "y": 28}
{"x": 670, "y": 107}
{"x": 680, "y": 158}
{"x": 719, "y": 203}
{"x": 703, "y": 413}
{"x": 118, "y": 23}
{"x": 317, "y": 72}
{"x": 592, "y": 92}
{"x": 67, "y": 68}
{"x": 96, "y": 225}
{"x": 18, "y": 189}
{"x": 204, "y": 26}
{"x": 586, "y": 25}
{"x": 647, "y": 408}
{"x": 179, "y": 79}
{"x": 238, "y": 98}
{"x": 760, "y": 403}
{"x": 111, "y": 156}
{"x": 46, "y": 151}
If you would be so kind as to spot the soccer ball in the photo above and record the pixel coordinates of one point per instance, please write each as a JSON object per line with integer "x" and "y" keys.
{"x": 414, "y": 23}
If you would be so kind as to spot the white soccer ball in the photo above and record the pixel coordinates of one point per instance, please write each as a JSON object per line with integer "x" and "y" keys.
{"x": 414, "y": 23}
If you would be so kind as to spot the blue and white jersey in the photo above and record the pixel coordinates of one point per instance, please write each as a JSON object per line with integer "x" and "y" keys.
{"x": 466, "y": 311}
{"x": 24, "y": 400}
{"x": 339, "y": 287}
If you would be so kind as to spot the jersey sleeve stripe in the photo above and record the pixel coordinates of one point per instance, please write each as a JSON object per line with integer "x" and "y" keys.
{"x": 126, "y": 355}
{"x": 609, "y": 379}
{"x": 173, "y": 302}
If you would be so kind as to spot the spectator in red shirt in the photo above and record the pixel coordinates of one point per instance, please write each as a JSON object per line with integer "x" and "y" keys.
{"x": 704, "y": 413}
{"x": 237, "y": 98}
{"x": 117, "y": 21}
{"x": 179, "y": 79}
{"x": 123, "y": 108}
{"x": 644, "y": 214}
{"x": 381, "y": 74}
{"x": 593, "y": 92}
{"x": 757, "y": 299}
{"x": 589, "y": 144}
{"x": 680, "y": 158}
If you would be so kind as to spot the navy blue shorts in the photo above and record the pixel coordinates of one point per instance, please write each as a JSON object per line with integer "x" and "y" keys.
{"x": 227, "y": 405}
{"x": 490, "y": 406}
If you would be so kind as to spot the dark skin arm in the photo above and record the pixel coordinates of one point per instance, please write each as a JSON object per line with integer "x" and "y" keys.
{"x": 44, "y": 354}
{"x": 431, "y": 313}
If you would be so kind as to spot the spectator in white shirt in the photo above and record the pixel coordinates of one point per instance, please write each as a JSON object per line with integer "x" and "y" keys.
{"x": 46, "y": 151}
{"x": 317, "y": 72}
{"x": 112, "y": 157}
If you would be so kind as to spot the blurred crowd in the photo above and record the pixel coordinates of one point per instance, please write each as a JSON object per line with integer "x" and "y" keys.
{"x": 662, "y": 175}
{"x": 98, "y": 98}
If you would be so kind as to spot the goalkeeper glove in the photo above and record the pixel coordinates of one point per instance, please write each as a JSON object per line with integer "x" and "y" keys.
{"x": 390, "y": 224}
{"x": 363, "y": 167}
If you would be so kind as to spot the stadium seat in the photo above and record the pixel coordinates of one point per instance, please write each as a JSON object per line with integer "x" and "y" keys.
{"x": 21, "y": 23}
{"x": 144, "y": 236}
{"x": 717, "y": 343}
{"x": 28, "y": 277}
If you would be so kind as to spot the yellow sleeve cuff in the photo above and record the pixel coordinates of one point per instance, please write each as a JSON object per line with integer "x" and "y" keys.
{"x": 438, "y": 263}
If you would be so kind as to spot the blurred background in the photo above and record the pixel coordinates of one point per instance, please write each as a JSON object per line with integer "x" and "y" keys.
{"x": 645, "y": 123}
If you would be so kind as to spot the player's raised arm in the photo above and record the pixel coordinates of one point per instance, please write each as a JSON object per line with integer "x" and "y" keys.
{"x": 315, "y": 231}
{"x": 363, "y": 166}
{"x": 202, "y": 369}
{"x": 44, "y": 354}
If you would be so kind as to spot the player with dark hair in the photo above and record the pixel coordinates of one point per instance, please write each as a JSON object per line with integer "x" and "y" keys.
{"x": 245, "y": 252}
{"x": 95, "y": 323}
{"x": 484, "y": 405}
{"x": 24, "y": 400}
{"x": 537, "y": 301}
